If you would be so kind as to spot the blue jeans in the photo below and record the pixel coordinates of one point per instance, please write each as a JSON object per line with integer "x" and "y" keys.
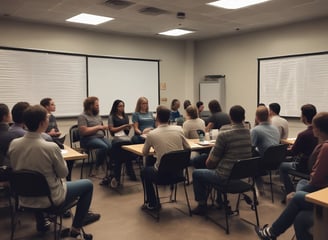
{"x": 202, "y": 178}
{"x": 291, "y": 213}
{"x": 198, "y": 162}
{"x": 81, "y": 189}
{"x": 303, "y": 222}
{"x": 283, "y": 170}
{"x": 102, "y": 146}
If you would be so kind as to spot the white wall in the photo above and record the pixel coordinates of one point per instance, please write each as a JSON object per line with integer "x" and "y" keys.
{"x": 183, "y": 64}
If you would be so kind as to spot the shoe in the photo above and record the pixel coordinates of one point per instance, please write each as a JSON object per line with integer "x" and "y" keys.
{"x": 45, "y": 226}
{"x": 150, "y": 207}
{"x": 90, "y": 218}
{"x": 67, "y": 214}
{"x": 114, "y": 183}
{"x": 264, "y": 233}
{"x": 80, "y": 235}
{"x": 200, "y": 210}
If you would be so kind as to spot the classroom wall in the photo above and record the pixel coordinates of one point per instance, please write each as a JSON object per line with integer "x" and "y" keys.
{"x": 236, "y": 57}
{"x": 183, "y": 64}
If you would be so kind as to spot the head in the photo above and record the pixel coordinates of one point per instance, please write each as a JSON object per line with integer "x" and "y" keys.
{"x": 237, "y": 114}
{"x": 142, "y": 105}
{"x": 262, "y": 114}
{"x": 214, "y": 106}
{"x": 48, "y": 104}
{"x": 175, "y": 104}
{"x": 186, "y": 103}
{"x": 308, "y": 112}
{"x": 91, "y": 105}
{"x": 274, "y": 108}
{"x": 320, "y": 125}
{"x": 18, "y": 110}
{"x": 163, "y": 114}
{"x": 192, "y": 112}
{"x": 117, "y": 107}
{"x": 200, "y": 106}
{"x": 35, "y": 118}
{"x": 4, "y": 113}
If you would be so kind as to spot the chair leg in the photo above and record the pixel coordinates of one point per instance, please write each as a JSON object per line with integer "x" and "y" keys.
{"x": 271, "y": 187}
{"x": 158, "y": 202}
{"x": 226, "y": 209}
{"x": 187, "y": 198}
{"x": 255, "y": 202}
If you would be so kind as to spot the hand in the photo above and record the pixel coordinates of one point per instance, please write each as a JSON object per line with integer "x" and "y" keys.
{"x": 146, "y": 130}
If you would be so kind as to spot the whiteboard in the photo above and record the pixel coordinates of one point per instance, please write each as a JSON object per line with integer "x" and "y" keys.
{"x": 212, "y": 90}
{"x": 293, "y": 81}
{"x": 126, "y": 79}
{"x": 33, "y": 75}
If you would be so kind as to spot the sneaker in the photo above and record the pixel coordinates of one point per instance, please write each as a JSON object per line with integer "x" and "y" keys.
{"x": 200, "y": 210}
{"x": 150, "y": 207}
{"x": 67, "y": 214}
{"x": 45, "y": 226}
{"x": 264, "y": 233}
{"x": 80, "y": 235}
{"x": 114, "y": 183}
{"x": 90, "y": 218}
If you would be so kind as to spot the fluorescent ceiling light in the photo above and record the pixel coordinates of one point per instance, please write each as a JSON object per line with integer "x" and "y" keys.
{"x": 235, "y": 4}
{"x": 86, "y": 18}
{"x": 176, "y": 32}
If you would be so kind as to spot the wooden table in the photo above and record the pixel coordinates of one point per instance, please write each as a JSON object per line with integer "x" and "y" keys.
{"x": 70, "y": 154}
{"x": 288, "y": 141}
{"x": 194, "y": 145}
{"x": 320, "y": 201}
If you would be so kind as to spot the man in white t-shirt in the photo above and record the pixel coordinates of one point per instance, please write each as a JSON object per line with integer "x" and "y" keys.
{"x": 276, "y": 120}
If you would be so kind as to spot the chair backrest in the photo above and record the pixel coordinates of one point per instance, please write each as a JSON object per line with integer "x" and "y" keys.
{"x": 74, "y": 136}
{"x": 245, "y": 168}
{"x": 273, "y": 156}
{"x": 173, "y": 163}
{"x": 29, "y": 183}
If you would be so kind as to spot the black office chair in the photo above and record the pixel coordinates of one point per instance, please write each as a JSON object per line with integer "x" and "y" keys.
{"x": 271, "y": 160}
{"x": 171, "y": 171}
{"x": 74, "y": 136}
{"x": 236, "y": 184}
{"x": 28, "y": 183}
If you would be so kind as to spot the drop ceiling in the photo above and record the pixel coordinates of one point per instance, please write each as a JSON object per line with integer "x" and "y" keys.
{"x": 147, "y": 18}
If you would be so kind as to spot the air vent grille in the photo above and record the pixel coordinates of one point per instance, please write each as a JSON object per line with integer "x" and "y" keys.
{"x": 118, "y": 4}
{"x": 152, "y": 11}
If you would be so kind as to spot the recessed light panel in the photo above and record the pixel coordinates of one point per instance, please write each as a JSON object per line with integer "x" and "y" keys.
{"x": 235, "y": 4}
{"x": 91, "y": 19}
{"x": 176, "y": 32}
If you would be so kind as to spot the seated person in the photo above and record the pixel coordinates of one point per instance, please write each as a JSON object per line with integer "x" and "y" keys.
{"x": 92, "y": 131}
{"x": 193, "y": 123}
{"x": 217, "y": 118}
{"x": 119, "y": 127}
{"x": 165, "y": 138}
{"x": 318, "y": 180}
{"x": 279, "y": 122}
{"x": 175, "y": 116}
{"x": 50, "y": 106}
{"x": 5, "y": 137}
{"x": 143, "y": 121}
{"x": 301, "y": 149}
{"x": 32, "y": 152}
{"x": 230, "y": 146}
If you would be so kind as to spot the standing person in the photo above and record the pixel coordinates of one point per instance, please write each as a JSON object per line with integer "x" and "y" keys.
{"x": 32, "y": 152}
{"x": 143, "y": 120}
{"x": 301, "y": 149}
{"x": 230, "y": 146}
{"x": 217, "y": 118}
{"x": 119, "y": 127}
{"x": 296, "y": 210}
{"x": 175, "y": 114}
{"x": 50, "y": 106}
{"x": 193, "y": 123}
{"x": 279, "y": 122}
{"x": 92, "y": 131}
{"x": 165, "y": 138}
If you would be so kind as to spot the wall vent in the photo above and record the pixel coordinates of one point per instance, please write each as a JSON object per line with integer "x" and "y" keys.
{"x": 118, "y": 4}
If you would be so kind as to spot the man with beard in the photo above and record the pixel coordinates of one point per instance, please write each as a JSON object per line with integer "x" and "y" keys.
{"x": 92, "y": 130}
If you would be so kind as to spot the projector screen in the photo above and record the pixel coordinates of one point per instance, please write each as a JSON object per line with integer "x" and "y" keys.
{"x": 293, "y": 81}
{"x": 126, "y": 79}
